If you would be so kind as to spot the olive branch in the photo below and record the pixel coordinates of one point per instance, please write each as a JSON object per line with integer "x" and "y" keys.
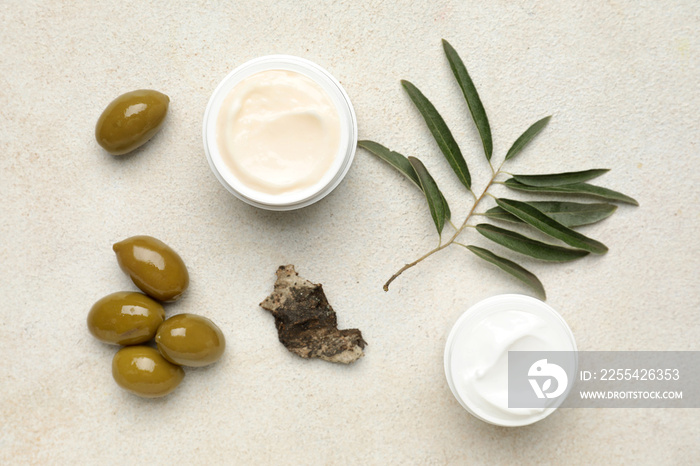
{"x": 556, "y": 219}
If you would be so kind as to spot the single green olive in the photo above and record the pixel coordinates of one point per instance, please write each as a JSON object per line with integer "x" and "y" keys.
{"x": 125, "y": 318}
{"x": 142, "y": 371}
{"x": 190, "y": 340}
{"x": 130, "y": 120}
{"x": 153, "y": 266}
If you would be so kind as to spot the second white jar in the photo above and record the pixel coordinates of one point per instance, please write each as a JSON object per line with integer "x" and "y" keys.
{"x": 476, "y": 354}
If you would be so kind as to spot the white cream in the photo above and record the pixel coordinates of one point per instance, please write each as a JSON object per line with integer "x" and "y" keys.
{"x": 278, "y": 132}
{"x": 476, "y": 356}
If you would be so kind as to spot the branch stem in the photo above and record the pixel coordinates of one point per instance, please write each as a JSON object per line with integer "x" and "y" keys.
{"x": 452, "y": 239}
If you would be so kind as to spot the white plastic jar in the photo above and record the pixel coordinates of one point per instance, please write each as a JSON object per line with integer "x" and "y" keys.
{"x": 334, "y": 169}
{"x": 476, "y": 354}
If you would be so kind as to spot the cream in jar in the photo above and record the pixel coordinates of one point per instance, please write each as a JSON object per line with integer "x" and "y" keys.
{"x": 476, "y": 354}
{"x": 278, "y": 131}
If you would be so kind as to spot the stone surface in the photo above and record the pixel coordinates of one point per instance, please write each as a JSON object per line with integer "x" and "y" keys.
{"x": 621, "y": 81}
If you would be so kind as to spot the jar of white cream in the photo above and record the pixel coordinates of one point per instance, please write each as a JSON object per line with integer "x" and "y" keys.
{"x": 280, "y": 132}
{"x": 476, "y": 354}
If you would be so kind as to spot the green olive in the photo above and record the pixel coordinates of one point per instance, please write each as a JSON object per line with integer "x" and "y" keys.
{"x": 130, "y": 120}
{"x": 125, "y": 318}
{"x": 190, "y": 340}
{"x": 153, "y": 266}
{"x": 143, "y": 371}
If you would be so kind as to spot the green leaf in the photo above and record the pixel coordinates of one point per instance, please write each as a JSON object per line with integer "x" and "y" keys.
{"x": 448, "y": 213}
{"x": 528, "y": 246}
{"x": 526, "y": 137}
{"x": 394, "y": 159}
{"x": 537, "y": 219}
{"x": 577, "y": 188}
{"x": 569, "y": 214}
{"x": 436, "y": 202}
{"x": 512, "y": 268}
{"x": 400, "y": 163}
{"x": 471, "y": 96}
{"x": 558, "y": 179}
{"x": 441, "y": 133}
{"x": 499, "y": 214}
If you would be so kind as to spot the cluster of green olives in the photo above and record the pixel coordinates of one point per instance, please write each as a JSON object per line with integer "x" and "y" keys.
{"x": 132, "y": 319}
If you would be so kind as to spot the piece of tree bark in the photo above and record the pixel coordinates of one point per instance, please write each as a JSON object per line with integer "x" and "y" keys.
{"x": 306, "y": 323}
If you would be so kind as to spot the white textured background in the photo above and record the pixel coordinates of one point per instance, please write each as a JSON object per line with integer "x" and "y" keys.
{"x": 620, "y": 78}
